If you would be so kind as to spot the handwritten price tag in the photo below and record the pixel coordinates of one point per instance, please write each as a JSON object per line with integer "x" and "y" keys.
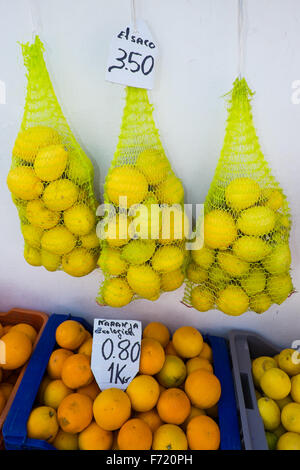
{"x": 132, "y": 57}
{"x": 116, "y": 352}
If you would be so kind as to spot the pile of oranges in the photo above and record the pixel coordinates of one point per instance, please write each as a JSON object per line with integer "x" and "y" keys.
{"x": 170, "y": 405}
{"x": 15, "y": 349}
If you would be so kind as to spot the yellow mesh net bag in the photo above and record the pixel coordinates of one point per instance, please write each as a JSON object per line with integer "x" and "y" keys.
{"x": 143, "y": 232}
{"x": 51, "y": 180}
{"x": 245, "y": 259}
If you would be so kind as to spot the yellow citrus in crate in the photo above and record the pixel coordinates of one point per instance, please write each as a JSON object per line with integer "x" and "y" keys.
{"x": 275, "y": 383}
{"x": 270, "y": 413}
{"x": 290, "y": 417}
{"x": 31, "y": 140}
{"x": 154, "y": 165}
{"x": 158, "y": 331}
{"x": 42, "y": 424}
{"x": 50, "y": 162}
{"x": 289, "y": 441}
{"x": 289, "y": 361}
{"x": 24, "y": 183}
{"x": 112, "y": 408}
{"x": 242, "y": 193}
{"x": 79, "y": 262}
{"x": 144, "y": 281}
{"x": 116, "y": 292}
{"x": 295, "y": 390}
{"x": 110, "y": 261}
{"x": 173, "y": 372}
{"x": 169, "y": 437}
{"x": 126, "y": 182}
{"x": 60, "y": 195}
{"x": 260, "y": 365}
{"x": 55, "y": 392}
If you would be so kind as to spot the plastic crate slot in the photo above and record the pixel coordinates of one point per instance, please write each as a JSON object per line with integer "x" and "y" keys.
{"x": 246, "y": 391}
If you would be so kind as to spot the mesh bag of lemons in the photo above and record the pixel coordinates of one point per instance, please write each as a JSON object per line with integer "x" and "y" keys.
{"x": 143, "y": 232}
{"x": 245, "y": 259}
{"x": 51, "y": 180}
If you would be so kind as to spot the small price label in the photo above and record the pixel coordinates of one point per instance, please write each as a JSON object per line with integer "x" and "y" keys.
{"x": 116, "y": 352}
{"x": 132, "y": 57}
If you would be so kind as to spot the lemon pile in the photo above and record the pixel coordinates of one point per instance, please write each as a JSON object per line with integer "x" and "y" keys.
{"x": 52, "y": 192}
{"x": 245, "y": 261}
{"x": 143, "y": 244}
{"x": 277, "y": 382}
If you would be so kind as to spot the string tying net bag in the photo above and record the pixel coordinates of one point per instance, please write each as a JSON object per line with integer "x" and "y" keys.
{"x": 51, "y": 180}
{"x": 143, "y": 232}
{"x": 245, "y": 260}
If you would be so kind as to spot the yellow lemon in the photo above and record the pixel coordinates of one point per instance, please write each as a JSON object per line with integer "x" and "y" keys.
{"x": 295, "y": 391}
{"x": 196, "y": 274}
{"x": 251, "y": 249}
{"x": 279, "y": 287}
{"x": 154, "y": 165}
{"x": 55, "y": 392}
{"x": 170, "y": 191}
{"x": 289, "y": 441}
{"x": 50, "y": 261}
{"x": 234, "y": 266}
{"x": 79, "y": 262}
{"x": 78, "y": 171}
{"x": 279, "y": 260}
{"x": 58, "y": 240}
{"x": 32, "y": 255}
{"x": 39, "y": 216}
{"x": 270, "y": 413}
{"x": 110, "y": 261}
{"x": 217, "y": 277}
{"x": 51, "y": 162}
{"x": 202, "y": 299}
{"x": 60, "y": 195}
{"x": 260, "y": 303}
{"x": 30, "y": 141}
{"x": 24, "y": 184}
{"x": 116, "y": 292}
{"x": 126, "y": 181}
{"x": 90, "y": 240}
{"x": 144, "y": 281}
{"x": 172, "y": 280}
{"x": 273, "y": 198}
{"x": 259, "y": 367}
{"x": 290, "y": 417}
{"x": 42, "y": 423}
{"x": 219, "y": 229}
{"x": 233, "y": 301}
{"x": 275, "y": 383}
{"x": 203, "y": 257}
{"x": 167, "y": 259}
{"x": 254, "y": 282}
{"x": 173, "y": 372}
{"x": 242, "y": 193}
{"x": 284, "y": 401}
{"x": 257, "y": 221}
{"x": 138, "y": 251}
{"x": 32, "y": 235}
{"x": 79, "y": 219}
{"x": 116, "y": 231}
{"x": 289, "y": 361}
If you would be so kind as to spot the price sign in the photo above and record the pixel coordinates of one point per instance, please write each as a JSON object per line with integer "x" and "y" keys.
{"x": 132, "y": 57}
{"x": 116, "y": 352}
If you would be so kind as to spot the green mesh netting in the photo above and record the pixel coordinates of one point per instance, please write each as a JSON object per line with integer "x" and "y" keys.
{"x": 245, "y": 260}
{"x": 142, "y": 244}
{"x": 51, "y": 180}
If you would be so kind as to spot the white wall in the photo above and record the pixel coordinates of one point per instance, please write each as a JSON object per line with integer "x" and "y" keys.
{"x": 198, "y": 44}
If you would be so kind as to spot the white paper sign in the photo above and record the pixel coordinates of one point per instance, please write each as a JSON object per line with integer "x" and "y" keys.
{"x": 116, "y": 352}
{"x": 132, "y": 57}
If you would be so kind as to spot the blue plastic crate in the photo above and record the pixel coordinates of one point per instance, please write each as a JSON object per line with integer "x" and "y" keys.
{"x": 14, "y": 429}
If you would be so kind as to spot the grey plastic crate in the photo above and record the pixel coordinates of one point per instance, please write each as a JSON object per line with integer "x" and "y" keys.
{"x": 245, "y": 346}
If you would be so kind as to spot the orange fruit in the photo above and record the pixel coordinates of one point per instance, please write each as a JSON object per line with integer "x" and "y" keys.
{"x": 42, "y": 424}
{"x": 75, "y": 413}
{"x": 86, "y": 347}
{"x": 158, "y": 331}
{"x": 55, "y": 392}
{"x": 6, "y": 329}
{"x": 173, "y": 406}
{"x": 170, "y": 350}
{"x": 2, "y": 401}
{"x": 193, "y": 413}
{"x": 56, "y": 362}
{"x": 203, "y": 433}
{"x": 92, "y": 390}
{"x": 18, "y": 348}
{"x": 76, "y": 371}
{"x": 151, "y": 417}
{"x": 143, "y": 392}
{"x": 135, "y": 434}
{"x": 198, "y": 363}
{"x": 206, "y": 352}
{"x": 203, "y": 388}
{"x": 65, "y": 441}
{"x": 152, "y": 356}
{"x": 28, "y": 330}
{"x": 169, "y": 437}
{"x": 41, "y": 391}
{"x": 111, "y": 409}
{"x": 95, "y": 438}
{"x": 187, "y": 341}
{"x": 6, "y": 389}
{"x": 70, "y": 334}
{"x": 172, "y": 373}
